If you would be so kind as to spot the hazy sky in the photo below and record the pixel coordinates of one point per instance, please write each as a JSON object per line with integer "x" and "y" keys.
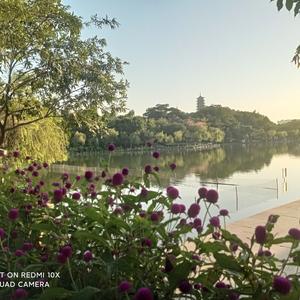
{"x": 237, "y": 53}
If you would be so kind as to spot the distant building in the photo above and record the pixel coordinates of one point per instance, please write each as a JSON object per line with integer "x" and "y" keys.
{"x": 200, "y": 103}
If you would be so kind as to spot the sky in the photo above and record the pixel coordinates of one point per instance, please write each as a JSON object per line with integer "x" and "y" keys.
{"x": 236, "y": 53}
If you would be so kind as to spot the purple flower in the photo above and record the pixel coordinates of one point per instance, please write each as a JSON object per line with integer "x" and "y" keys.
{"x": 212, "y": 196}
{"x": 76, "y": 196}
{"x": 144, "y": 192}
{"x": 202, "y": 192}
{"x": 154, "y": 216}
{"x": 27, "y": 246}
{"x": 172, "y": 192}
{"x": 103, "y": 174}
{"x": 156, "y": 169}
{"x": 172, "y": 166}
{"x": 87, "y": 256}
{"x": 20, "y": 294}
{"x": 148, "y": 169}
{"x": 142, "y": 214}
{"x": 61, "y": 258}
{"x": 2, "y": 233}
{"x": 124, "y": 286}
{"x": 146, "y": 242}
{"x": 58, "y": 195}
{"x": 156, "y": 154}
{"x": 66, "y": 251}
{"x": 125, "y": 171}
{"x": 185, "y": 287}
{"x": 117, "y": 179}
{"x": 182, "y": 208}
{"x": 118, "y": 211}
{"x": 224, "y": 212}
{"x": 16, "y": 154}
{"x": 143, "y": 294}
{"x": 215, "y": 221}
{"x": 194, "y": 210}
{"x": 64, "y": 176}
{"x": 282, "y": 285}
{"x": 295, "y": 233}
{"x": 45, "y": 165}
{"x": 111, "y": 147}
{"x": 221, "y": 285}
{"x": 77, "y": 177}
{"x": 19, "y": 253}
{"x": 13, "y": 214}
{"x": 260, "y": 234}
{"x": 175, "y": 209}
{"x": 88, "y": 175}
{"x": 197, "y": 222}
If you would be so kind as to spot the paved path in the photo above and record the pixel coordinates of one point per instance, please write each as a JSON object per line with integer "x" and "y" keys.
{"x": 289, "y": 217}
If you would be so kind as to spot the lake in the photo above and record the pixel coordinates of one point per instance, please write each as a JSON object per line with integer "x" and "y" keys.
{"x": 250, "y": 179}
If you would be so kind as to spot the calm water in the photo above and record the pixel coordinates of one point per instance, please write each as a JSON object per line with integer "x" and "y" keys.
{"x": 249, "y": 178}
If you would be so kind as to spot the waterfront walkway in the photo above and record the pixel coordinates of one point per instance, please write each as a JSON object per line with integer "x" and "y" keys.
{"x": 289, "y": 217}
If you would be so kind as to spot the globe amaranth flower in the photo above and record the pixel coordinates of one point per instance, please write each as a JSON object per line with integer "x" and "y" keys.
{"x": 212, "y": 196}
{"x": 124, "y": 286}
{"x": 146, "y": 242}
{"x": 194, "y": 210}
{"x": 154, "y": 216}
{"x": 20, "y": 294}
{"x": 142, "y": 214}
{"x": 172, "y": 166}
{"x": 295, "y": 233}
{"x": 88, "y": 175}
{"x": 111, "y": 147}
{"x": 117, "y": 179}
{"x": 58, "y": 195}
{"x": 184, "y": 286}
{"x": 76, "y": 196}
{"x": 175, "y": 209}
{"x": 143, "y": 293}
{"x": 16, "y": 153}
{"x": 13, "y": 214}
{"x": 202, "y": 192}
{"x": 156, "y": 154}
{"x": 66, "y": 251}
{"x": 156, "y": 169}
{"x": 182, "y": 208}
{"x": 87, "y": 256}
{"x": 61, "y": 258}
{"x": 215, "y": 221}
{"x": 78, "y": 177}
{"x": 220, "y": 285}
{"x": 224, "y": 212}
{"x": 282, "y": 285}
{"x": 148, "y": 169}
{"x": 260, "y": 234}
{"x": 27, "y": 246}
{"x": 125, "y": 171}
{"x": 144, "y": 192}
{"x": 197, "y": 223}
{"x": 19, "y": 252}
{"x": 64, "y": 176}
{"x": 172, "y": 192}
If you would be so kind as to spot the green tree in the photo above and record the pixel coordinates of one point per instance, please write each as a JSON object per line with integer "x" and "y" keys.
{"x": 48, "y": 69}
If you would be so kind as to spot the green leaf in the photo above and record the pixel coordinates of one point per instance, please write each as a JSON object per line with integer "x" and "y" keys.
{"x": 289, "y": 4}
{"x": 43, "y": 227}
{"x": 227, "y": 262}
{"x": 87, "y": 293}
{"x": 55, "y": 293}
{"x": 279, "y": 4}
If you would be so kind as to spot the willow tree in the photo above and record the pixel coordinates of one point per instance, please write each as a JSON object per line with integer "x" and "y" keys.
{"x": 48, "y": 70}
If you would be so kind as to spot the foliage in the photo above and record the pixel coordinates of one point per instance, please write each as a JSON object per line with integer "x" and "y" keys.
{"x": 295, "y": 6}
{"x": 47, "y": 69}
{"x": 118, "y": 237}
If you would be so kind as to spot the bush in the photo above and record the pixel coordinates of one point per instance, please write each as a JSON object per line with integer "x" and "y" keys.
{"x": 110, "y": 236}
